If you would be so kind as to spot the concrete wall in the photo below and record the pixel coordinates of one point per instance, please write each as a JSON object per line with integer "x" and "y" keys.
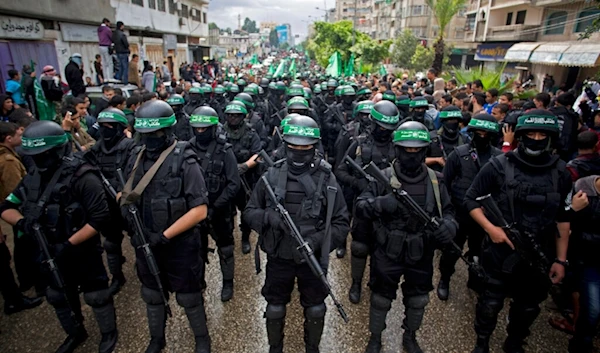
{"x": 80, "y": 11}
{"x": 498, "y": 17}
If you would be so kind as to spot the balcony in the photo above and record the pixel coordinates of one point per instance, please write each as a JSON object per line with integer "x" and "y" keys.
{"x": 519, "y": 33}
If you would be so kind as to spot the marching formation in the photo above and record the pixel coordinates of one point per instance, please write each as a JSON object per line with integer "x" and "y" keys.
{"x": 303, "y": 162}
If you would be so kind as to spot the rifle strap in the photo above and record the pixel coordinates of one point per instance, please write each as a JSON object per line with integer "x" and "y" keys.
{"x": 43, "y": 200}
{"x": 509, "y": 176}
{"x": 331, "y": 195}
{"x": 212, "y": 146}
{"x": 130, "y": 196}
{"x": 436, "y": 190}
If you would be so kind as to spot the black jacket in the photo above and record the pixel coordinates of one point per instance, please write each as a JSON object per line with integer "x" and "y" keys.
{"x": 120, "y": 40}
{"x": 74, "y": 78}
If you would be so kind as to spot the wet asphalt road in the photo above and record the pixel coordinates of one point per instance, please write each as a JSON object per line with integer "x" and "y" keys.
{"x": 238, "y": 326}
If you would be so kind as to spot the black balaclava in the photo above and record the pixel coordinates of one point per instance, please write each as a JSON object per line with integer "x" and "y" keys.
{"x": 451, "y": 127}
{"x": 381, "y": 135}
{"x": 111, "y": 136}
{"x": 234, "y": 121}
{"x": 418, "y": 115}
{"x": 411, "y": 163}
{"x": 481, "y": 143}
{"x": 205, "y": 137}
{"x": 299, "y": 161}
{"x": 156, "y": 142}
{"x": 50, "y": 160}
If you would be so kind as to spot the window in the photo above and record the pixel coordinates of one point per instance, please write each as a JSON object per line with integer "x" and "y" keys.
{"x": 152, "y": 4}
{"x": 417, "y": 10}
{"x": 184, "y": 11}
{"x": 172, "y": 7}
{"x": 195, "y": 15}
{"x": 462, "y": 12}
{"x": 204, "y": 20}
{"x": 521, "y": 17}
{"x": 161, "y": 5}
{"x": 509, "y": 17}
{"x": 555, "y": 23}
{"x": 138, "y": 2}
{"x": 585, "y": 19}
{"x": 470, "y": 24}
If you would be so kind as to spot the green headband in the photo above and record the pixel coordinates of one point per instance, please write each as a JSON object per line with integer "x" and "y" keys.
{"x": 302, "y": 131}
{"x": 110, "y": 115}
{"x": 419, "y": 103}
{"x": 239, "y": 99}
{"x": 544, "y": 121}
{"x": 234, "y": 108}
{"x": 298, "y": 91}
{"x": 196, "y": 90}
{"x": 411, "y": 135}
{"x": 389, "y": 97}
{"x": 204, "y": 119}
{"x": 152, "y": 123}
{"x": 297, "y": 100}
{"x": 364, "y": 106}
{"x": 451, "y": 114}
{"x": 385, "y": 118}
{"x": 284, "y": 121}
{"x": 403, "y": 102}
{"x": 484, "y": 124}
{"x": 36, "y": 142}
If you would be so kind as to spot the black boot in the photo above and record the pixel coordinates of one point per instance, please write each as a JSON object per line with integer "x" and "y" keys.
{"x": 482, "y": 345}
{"x": 117, "y": 282}
{"x": 357, "y": 270}
{"x": 513, "y": 345}
{"x": 275, "y": 316}
{"x": 193, "y": 304}
{"x": 374, "y": 345}
{"x": 520, "y": 319}
{"x": 23, "y": 303}
{"x": 380, "y": 306}
{"x": 157, "y": 319}
{"x": 443, "y": 289}
{"x": 72, "y": 323}
{"x": 246, "y": 242}
{"x": 114, "y": 262}
{"x": 227, "y": 261}
{"x": 409, "y": 342}
{"x": 105, "y": 316}
{"x": 314, "y": 320}
{"x": 73, "y": 341}
{"x": 340, "y": 252}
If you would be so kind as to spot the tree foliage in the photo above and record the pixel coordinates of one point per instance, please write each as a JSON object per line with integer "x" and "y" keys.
{"x": 422, "y": 58}
{"x": 404, "y": 49}
{"x": 595, "y": 27}
{"x": 273, "y": 39}
{"x": 332, "y": 37}
{"x": 249, "y": 26}
{"x": 212, "y": 25}
{"x": 491, "y": 78}
{"x": 443, "y": 12}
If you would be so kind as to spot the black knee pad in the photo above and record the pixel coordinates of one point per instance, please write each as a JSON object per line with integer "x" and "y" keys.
{"x": 98, "y": 298}
{"x": 490, "y": 308}
{"x": 111, "y": 247}
{"x": 358, "y": 249}
{"x": 275, "y": 312}
{"x": 380, "y": 302}
{"x": 55, "y": 297}
{"x": 316, "y": 311}
{"x": 189, "y": 300}
{"x": 416, "y": 302}
{"x": 151, "y": 296}
{"x": 226, "y": 251}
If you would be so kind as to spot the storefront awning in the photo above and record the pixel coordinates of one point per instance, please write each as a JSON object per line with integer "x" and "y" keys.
{"x": 582, "y": 55}
{"x": 549, "y": 53}
{"x": 520, "y": 52}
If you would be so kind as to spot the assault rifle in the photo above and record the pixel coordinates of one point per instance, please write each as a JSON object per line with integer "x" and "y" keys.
{"x": 525, "y": 243}
{"x": 333, "y": 108}
{"x": 372, "y": 173}
{"x": 138, "y": 230}
{"x": 304, "y": 248}
{"x": 264, "y": 156}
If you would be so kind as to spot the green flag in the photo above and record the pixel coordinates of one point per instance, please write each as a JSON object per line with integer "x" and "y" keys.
{"x": 292, "y": 70}
{"x": 280, "y": 69}
{"x": 45, "y": 109}
{"x": 382, "y": 70}
{"x": 360, "y": 68}
{"x": 306, "y": 56}
{"x": 254, "y": 59}
{"x": 154, "y": 83}
{"x": 350, "y": 67}
{"x": 334, "y": 69}
{"x": 271, "y": 70}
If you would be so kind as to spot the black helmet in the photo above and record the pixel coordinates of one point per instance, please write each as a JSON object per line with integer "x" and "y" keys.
{"x": 196, "y": 90}
{"x": 363, "y": 107}
{"x": 42, "y": 136}
{"x": 264, "y": 82}
{"x": 484, "y": 122}
{"x": 451, "y": 112}
{"x": 331, "y": 84}
{"x": 251, "y": 89}
{"x": 246, "y": 99}
{"x": 389, "y": 96}
{"x": 348, "y": 90}
{"x": 112, "y": 115}
{"x": 219, "y": 90}
{"x": 307, "y": 93}
{"x": 419, "y": 102}
{"x": 154, "y": 115}
{"x": 295, "y": 90}
{"x": 176, "y": 99}
{"x": 385, "y": 114}
{"x": 412, "y": 134}
{"x": 280, "y": 86}
{"x": 236, "y": 107}
{"x": 536, "y": 120}
{"x": 297, "y": 103}
{"x": 204, "y": 116}
{"x": 301, "y": 130}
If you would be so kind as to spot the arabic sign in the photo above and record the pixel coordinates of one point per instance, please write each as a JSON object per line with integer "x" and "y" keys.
{"x": 72, "y": 32}
{"x": 492, "y": 51}
{"x": 21, "y": 28}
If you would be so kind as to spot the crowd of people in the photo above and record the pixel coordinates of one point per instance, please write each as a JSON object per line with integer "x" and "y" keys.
{"x": 405, "y": 167}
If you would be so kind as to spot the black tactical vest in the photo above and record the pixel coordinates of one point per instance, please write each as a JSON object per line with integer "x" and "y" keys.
{"x": 241, "y": 147}
{"x": 382, "y": 156}
{"x": 110, "y": 161}
{"x": 183, "y": 129}
{"x": 212, "y": 161}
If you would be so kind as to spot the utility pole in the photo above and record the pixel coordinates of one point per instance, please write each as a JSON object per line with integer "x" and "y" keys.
{"x": 239, "y": 22}
{"x": 354, "y": 23}
{"x": 326, "y": 11}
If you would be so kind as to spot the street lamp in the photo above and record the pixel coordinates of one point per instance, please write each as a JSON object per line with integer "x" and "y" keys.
{"x": 324, "y": 10}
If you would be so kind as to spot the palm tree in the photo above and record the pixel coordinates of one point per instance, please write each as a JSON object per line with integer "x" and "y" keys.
{"x": 443, "y": 11}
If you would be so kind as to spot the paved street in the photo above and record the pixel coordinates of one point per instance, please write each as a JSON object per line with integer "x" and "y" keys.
{"x": 238, "y": 326}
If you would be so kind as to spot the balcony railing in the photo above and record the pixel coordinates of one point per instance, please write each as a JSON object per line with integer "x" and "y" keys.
{"x": 524, "y": 33}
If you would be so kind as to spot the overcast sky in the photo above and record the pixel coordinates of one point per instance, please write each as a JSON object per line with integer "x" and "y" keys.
{"x": 225, "y": 12}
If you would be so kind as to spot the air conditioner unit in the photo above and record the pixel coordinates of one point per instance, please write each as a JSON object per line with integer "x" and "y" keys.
{"x": 179, "y": 7}
{"x": 181, "y": 21}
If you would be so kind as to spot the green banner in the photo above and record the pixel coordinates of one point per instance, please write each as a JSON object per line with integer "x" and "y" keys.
{"x": 293, "y": 69}
{"x": 334, "y": 69}
{"x": 280, "y": 69}
{"x": 349, "y": 71}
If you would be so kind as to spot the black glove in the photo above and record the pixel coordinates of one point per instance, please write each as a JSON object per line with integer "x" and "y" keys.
{"x": 446, "y": 232}
{"x": 242, "y": 168}
{"x": 210, "y": 215}
{"x": 25, "y": 225}
{"x": 361, "y": 184}
{"x": 274, "y": 220}
{"x": 62, "y": 250}
{"x": 387, "y": 204}
{"x": 156, "y": 239}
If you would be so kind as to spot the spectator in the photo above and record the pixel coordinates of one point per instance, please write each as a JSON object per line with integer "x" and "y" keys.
{"x": 477, "y": 103}
{"x": 27, "y": 86}
{"x": 445, "y": 101}
{"x": 122, "y": 49}
{"x": 166, "y": 74}
{"x": 88, "y": 82}
{"x": 132, "y": 103}
{"x": 74, "y": 75}
{"x": 117, "y": 101}
{"x": 587, "y": 161}
{"x": 568, "y": 121}
{"x": 71, "y": 123}
{"x": 13, "y": 88}
{"x": 491, "y": 98}
{"x": 548, "y": 83}
{"x": 104, "y": 66}
{"x": 499, "y": 112}
{"x": 477, "y": 86}
{"x": 458, "y": 100}
{"x": 134, "y": 76}
{"x": 102, "y": 103}
{"x": 148, "y": 78}
{"x": 469, "y": 88}
{"x": 506, "y": 98}
{"x": 6, "y": 108}
{"x": 50, "y": 83}
{"x": 542, "y": 100}
{"x": 451, "y": 86}
{"x": 99, "y": 70}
